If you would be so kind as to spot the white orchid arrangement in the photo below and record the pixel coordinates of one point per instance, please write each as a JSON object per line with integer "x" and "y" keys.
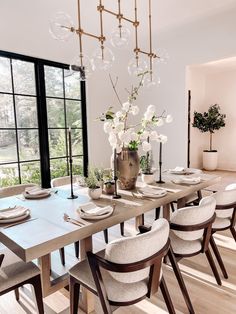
{"x": 121, "y": 134}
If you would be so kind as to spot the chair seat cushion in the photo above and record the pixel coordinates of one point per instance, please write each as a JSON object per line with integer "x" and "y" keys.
{"x": 221, "y": 223}
{"x": 14, "y": 271}
{"x": 183, "y": 247}
{"x": 117, "y": 291}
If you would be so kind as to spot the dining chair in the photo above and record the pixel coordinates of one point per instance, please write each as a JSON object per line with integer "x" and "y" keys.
{"x": 191, "y": 231}
{"x": 126, "y": 272}
{"x": 225, "y": 218}
{"x": 15, "y": 273}
{"x": 18, "y": 189}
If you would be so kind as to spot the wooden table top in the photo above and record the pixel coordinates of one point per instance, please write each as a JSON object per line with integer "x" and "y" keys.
{"x": 49, "y": 232}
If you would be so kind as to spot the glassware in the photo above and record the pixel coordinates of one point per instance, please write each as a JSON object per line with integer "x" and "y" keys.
{"x": 85, "y": 70}
{"x": 120, "y": 37}
{"x": 103, "y": 60}
{"x": 135, "y": 68}
{"x": 60, "y": 26}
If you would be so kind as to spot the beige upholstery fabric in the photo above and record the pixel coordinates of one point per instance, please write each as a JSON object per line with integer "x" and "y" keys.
{"x": 62, "y": 181}
{"x": 14, "y": 190}
{"x": 225, "y": 197}
{"x": 132, "y": 249}
{"x": 221, "y": 223}
{"x": 14, "y": 271}
{"x": 194, "y": 215}
{"x": 180, "y": 246}
{"x": 116, "y": 290}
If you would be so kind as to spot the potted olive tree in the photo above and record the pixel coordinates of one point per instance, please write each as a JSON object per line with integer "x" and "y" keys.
{"x": 94, "y": 187}
{"x": 146, "y": 168}
{"x": 209, "y": 121}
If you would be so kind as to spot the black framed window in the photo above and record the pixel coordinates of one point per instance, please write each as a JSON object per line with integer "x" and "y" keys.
{"x": 39, "y": 101}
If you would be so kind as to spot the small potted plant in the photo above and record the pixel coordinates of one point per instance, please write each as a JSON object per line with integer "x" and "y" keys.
{"x": 109, "y": 184}
{"x": 99, "y": 174}
{"x": 94, "y": 189}
{"x": 146, "y": 168}
{"x": 209, "y": 121}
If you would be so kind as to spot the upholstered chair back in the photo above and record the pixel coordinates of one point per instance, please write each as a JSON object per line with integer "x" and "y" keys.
{"x": 194, "y": 215}
{"x": 228, "y": 196}
{"x": 62, "y": 181}
{"x": 137, "y": 248}
{"x": 14, "y": 190}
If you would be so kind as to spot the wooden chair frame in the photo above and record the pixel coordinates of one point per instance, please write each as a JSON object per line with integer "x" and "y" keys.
{"x": 96, "y": 262}
{"x": 34, "y": 281}
{"x": 207, "y": 237}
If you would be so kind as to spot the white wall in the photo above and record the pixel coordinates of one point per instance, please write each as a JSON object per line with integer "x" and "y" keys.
{"x": 25, "y": 25}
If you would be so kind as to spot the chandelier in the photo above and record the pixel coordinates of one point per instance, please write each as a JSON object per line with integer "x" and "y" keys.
{"x": 62, "y": 27}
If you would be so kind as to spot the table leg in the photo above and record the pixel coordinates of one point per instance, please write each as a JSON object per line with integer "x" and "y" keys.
{"x": 138, "y": 221}
{"x": 166, "y": 211}
{"x": 87, "y": 299}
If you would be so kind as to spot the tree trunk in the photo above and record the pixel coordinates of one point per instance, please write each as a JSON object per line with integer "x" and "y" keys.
{"x": 210, "y": 141}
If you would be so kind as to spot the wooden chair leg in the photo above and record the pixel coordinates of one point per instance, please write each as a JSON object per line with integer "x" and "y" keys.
{"x": 166, "y": 296}
{"x": 122, "y": 228}
{"x": 36, "y": 282}
{"x": 76, "y": 245}
{"x": 180, "y": 280}
{"x": 105, "y": 233}
{"x": 74, "y": 296}
{"x": 17, "y": 294}
{"x": 62, "y": 255}
{"x": 213, "y": 267}
{"x": 232, "y": 229}
{"x": 157, "y": 213}
{"x": 218, "y": 257}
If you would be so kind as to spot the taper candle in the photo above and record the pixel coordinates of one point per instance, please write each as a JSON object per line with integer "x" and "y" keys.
{"x": 160, "y": 152}
{"x": 69, "y": 143}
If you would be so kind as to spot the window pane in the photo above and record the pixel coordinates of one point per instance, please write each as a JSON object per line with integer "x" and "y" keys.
{"x": 30, "y": 172}
{"x": 28, "y": 144}
{"x": 9, "y": 175}
{"x": 8, "y": 146}
{"x": 7, "y": 119}
{"x": 5, "y": 75}
{"x": 26, "y": 112}
{"x": 53, "y": 81}
{"x": 77, "y": 166}
{"x": 77, "y": 142}
{"x": 57, "y": 144}
{"x": 73, "y": 113}
{"x": 56, "y": 114}
{"x": 72, "y": 85}
{"x": 23, "y": 77}
{"x": 58, "y": 168}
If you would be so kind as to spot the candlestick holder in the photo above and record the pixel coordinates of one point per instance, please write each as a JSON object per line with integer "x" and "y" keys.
{"x": 160, "y": 178}
{"x": 115, "y": 195}
{"x": 72, "y": 196}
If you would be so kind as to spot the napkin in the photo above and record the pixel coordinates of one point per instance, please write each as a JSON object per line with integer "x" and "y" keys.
{"x": 194, "y": 180}
{"x": 36, "y": 191}
{"x": 148, "y": 191}
{"x": 91, "y": 209}
{"x": 178, "y": 169}
{"x": 13, "y": 212}
{"x": 165, "y": 189}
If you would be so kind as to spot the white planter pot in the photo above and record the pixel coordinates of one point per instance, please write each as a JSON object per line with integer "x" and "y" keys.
{"x": 148, "y": 178}
{"x": 95, "y": 193}
{"x": 210, "y": 160}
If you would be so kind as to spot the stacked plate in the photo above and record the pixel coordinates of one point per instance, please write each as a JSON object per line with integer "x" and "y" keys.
{"x": 152, "y": 192}
{"x": 36, "y": 193}
{"x": 188, "y": 181}
{"x": 94, "y": 212}
{"x": 12, "y": 214}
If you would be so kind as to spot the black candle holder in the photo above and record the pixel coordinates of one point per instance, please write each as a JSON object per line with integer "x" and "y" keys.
{"x": 115, "y": 195}
{"x": 72, "y": 196}
{"x": 160, "y": 178}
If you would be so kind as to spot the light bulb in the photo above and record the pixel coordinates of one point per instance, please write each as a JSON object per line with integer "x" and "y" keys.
{"x": 85, "y": 70}
{"x": 135, "y": 68}
{"x": 120, "y": 37}
{"x": 60, "y": 26}
{"x": 151, "y": 80}
{"x": 162, "y": 56}
{"x": 103, "y": 60}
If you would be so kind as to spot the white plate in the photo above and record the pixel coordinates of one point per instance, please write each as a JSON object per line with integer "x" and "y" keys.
{"x": 5, "y": 221}
{"x": 90, "y": 207}
{"x": 34, "y": 197}
{"x": 94, "y": 217}
{"x": 186, "y": 182}
{"x": 156, "y": 193}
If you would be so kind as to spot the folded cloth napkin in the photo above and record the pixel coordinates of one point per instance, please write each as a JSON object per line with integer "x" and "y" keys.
{"x": 152, "y": 192}
{"x": 194, "y": 180}
{"x": 91, "y": 209}
{"x": 13, "y": 212}
{"x": 36, "y": 191}
{"x": 165, "y": 189}
{"x": 178, "y": 169}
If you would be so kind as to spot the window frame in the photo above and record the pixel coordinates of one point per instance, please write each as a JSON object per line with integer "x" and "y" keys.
{"x": 41, "y": 103}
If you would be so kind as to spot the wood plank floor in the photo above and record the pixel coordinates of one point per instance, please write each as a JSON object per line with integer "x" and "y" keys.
{"x": 207, "y": 297}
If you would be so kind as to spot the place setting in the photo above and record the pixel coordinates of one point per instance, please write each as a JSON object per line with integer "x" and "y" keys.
{"x": 13, "y": 214}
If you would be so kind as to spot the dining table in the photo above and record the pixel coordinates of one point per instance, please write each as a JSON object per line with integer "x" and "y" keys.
{"x": 46, "y": 231}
